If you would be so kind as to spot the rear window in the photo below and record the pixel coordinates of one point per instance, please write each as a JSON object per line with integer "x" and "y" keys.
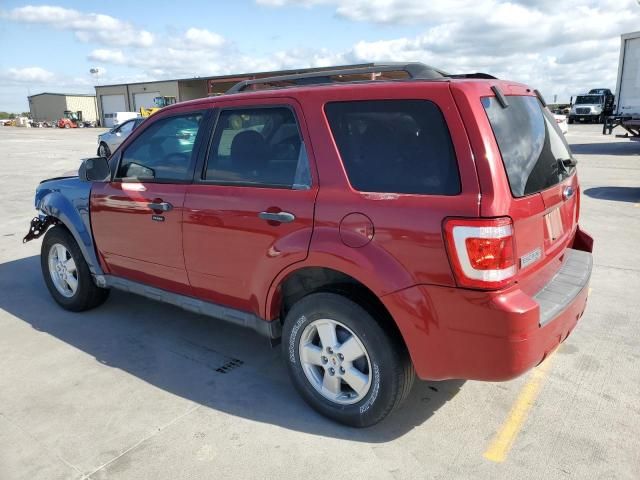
{"x": 395, "y": 146}
{"x": 530, "y": 142}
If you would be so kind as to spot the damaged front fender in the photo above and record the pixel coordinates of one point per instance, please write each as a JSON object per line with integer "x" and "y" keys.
{"x": 66, "y": 201}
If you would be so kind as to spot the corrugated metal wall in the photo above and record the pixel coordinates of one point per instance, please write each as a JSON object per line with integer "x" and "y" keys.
{"x": 87, "y": 105}
{"x": 47, "y": 108}
{"x": 51, "y": 107}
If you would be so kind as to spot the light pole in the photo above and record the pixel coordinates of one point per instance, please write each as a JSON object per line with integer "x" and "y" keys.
{"x": 96, "y": 72}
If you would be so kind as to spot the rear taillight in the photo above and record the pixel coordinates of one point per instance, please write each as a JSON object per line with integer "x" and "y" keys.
{"x": 481, "y": 251}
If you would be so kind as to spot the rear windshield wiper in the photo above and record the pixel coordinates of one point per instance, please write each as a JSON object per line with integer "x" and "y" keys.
{"x": 564, "y": 164}
{"x": 568, "y": 162}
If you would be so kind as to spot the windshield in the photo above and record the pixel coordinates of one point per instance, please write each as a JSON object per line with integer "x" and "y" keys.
{"x": 531, "y": 145}
{"x": 588, "y": 100}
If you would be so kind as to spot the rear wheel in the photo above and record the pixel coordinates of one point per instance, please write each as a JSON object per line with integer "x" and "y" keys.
{"x": 67, "y": 274}
{"x": 343, "y": 362}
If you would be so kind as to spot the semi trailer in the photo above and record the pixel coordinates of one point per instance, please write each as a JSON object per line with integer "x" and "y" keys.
{"x": 626, "y": 112}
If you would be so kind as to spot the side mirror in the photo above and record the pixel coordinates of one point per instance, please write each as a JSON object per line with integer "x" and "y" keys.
{"x": 95, "y": 170}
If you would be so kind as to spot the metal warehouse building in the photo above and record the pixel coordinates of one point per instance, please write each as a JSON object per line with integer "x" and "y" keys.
{"x": 130, "y": 97}
{"x": 46, "y": 107}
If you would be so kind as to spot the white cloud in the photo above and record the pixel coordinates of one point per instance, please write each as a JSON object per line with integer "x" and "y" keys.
{"x": 559, "y": 47}
{"x": 203, "y": 38}
{"x": 87, "y": 27}
{"x": 107, "y": 56}
{"x": 27, "y": 75}
{"x": 194, "y": 52}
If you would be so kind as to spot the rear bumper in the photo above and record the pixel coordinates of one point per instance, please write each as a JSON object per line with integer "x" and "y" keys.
{"x": 494, "y": 336}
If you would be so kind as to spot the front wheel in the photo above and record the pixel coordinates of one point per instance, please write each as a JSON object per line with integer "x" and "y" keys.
{"x": 344, "y": 363}
{"x": 67, "y": 274}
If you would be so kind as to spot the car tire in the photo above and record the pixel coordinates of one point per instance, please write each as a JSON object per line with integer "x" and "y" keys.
{"x": 103, "y": 150}
{"x": 67, "y": 274}
{"x": 372, "y": 371}
{"x": 570, "y": 120}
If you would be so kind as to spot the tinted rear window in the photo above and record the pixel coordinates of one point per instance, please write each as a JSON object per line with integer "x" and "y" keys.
{"x": 395, "y": 146}
{"x": 530, "y": 142}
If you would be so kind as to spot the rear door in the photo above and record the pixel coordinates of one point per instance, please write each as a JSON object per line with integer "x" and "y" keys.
{"x": 120, "y": 133}
{"x": 249, "y": 213}
{"x": 540, "y": 171}
{"x": 137, "y": 217}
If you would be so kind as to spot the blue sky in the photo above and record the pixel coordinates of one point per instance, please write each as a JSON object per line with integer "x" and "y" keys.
{"x": 50, "y": 46}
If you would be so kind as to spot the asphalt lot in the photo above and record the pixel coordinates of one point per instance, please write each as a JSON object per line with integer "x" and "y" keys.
{"x": 136, "y": 389}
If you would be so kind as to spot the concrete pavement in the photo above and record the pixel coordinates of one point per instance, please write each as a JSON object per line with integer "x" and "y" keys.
{"x": 136, "y": 389}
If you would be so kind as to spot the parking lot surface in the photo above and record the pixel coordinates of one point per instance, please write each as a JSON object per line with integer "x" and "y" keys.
{"x": 136, "y": 389}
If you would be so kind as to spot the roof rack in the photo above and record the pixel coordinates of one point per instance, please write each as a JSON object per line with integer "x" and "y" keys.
{"x": 414, "y": 70}
{"x": 479, "y": 75}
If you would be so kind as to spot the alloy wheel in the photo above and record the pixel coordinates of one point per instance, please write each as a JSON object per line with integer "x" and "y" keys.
{"x": 335, "y": 361}
{"x": 63, "y": 270}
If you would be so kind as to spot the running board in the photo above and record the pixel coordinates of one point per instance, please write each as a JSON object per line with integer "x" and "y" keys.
{"x": 271, "y": 330}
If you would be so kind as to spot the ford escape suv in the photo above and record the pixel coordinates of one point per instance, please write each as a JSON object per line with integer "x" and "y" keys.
{"x": 381, "y": 222}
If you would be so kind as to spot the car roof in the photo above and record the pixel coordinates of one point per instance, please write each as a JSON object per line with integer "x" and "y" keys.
{"x": 302, "y": 90}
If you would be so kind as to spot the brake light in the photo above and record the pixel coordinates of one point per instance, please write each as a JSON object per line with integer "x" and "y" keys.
{"x": 481, "y": 251}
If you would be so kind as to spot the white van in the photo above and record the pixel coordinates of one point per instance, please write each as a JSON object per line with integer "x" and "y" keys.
{"x": 116, "y": 118}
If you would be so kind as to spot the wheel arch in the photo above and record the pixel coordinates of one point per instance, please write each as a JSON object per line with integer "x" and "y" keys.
{"x": 306, "y": 279}
{"x": 71, "y": 209}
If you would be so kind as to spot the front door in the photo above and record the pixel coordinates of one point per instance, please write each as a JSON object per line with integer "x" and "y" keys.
{"x": 249, "y": 213}
{"x": 137, "y": 217}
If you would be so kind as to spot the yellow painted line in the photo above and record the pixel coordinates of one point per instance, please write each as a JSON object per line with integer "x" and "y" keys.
{"x": 506, "y": 436}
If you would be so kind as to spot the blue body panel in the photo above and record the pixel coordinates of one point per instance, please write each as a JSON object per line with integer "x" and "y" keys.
{"x": 67, "y": 199}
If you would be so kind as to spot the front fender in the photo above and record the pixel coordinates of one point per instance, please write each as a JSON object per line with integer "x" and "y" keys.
{"x": 67, "y": 200}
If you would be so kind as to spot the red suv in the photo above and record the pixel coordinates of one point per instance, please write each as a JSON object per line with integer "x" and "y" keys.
{"x": 381, "y": 222}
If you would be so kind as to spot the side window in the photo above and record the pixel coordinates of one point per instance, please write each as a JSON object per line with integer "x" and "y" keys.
{"x": 126, "y": 127}
{"x": 258, "y": 146}
{"x": 163, "y": 151}
{"x": 395, "y": 146}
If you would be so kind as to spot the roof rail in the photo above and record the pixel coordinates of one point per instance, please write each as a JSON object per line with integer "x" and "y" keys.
{"x": 414, "y": 70}
{"x": 473, "y": 75}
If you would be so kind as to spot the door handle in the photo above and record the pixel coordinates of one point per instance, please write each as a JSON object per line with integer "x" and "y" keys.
{"x": 162, "y": 206}
{"x": 280, "y": 217}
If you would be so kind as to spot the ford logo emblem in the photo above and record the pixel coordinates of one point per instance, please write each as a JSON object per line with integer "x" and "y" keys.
{"x": 567, "y": 193}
